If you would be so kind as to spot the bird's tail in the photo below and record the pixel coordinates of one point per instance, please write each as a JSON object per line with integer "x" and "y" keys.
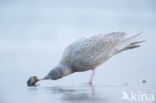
{"x": 128, "y": 43}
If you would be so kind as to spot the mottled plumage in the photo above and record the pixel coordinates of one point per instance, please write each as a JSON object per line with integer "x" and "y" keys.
{"x": 88, "y": 53}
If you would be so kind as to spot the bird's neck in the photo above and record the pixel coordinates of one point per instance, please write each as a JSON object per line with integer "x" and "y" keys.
{"x": 59, "y": 71}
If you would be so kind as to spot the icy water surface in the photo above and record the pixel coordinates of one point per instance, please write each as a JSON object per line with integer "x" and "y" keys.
{"x": 73, "y": 93}
{"x": 33, "y": 35}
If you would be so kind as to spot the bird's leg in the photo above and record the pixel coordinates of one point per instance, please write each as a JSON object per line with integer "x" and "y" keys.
{"x": 92, "y": 77}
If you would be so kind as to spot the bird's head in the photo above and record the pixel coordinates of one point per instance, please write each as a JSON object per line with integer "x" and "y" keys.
{"x": 32, "y": 80}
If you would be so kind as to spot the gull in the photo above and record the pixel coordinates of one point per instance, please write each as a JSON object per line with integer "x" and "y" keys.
{"x": 88, "y": 53}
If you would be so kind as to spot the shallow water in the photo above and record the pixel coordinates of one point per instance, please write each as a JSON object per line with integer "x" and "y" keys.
{"x": 34, "y": 34}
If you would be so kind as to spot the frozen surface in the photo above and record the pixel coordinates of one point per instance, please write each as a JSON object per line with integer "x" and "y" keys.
{"x": 33, "y": 35}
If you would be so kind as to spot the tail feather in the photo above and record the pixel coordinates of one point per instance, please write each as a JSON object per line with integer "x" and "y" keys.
{"x": 128, "y": 43}
{"x": 137, "y": 42}
{"x": 131, "y": 47}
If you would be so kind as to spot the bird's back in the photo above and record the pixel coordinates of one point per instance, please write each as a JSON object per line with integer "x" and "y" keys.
{"x": 90, "y": 52}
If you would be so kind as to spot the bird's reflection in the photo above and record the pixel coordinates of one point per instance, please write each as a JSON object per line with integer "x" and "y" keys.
{"x": 75, "y": 93}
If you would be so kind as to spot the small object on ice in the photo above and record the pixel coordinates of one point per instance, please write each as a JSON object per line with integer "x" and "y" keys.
{"x": 144, "y": 81}
{"x": 32, "y": 80}
{"x": 88, "y": 53}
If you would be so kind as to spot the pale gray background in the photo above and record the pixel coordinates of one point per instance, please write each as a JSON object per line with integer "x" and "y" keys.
{"x": 34, "y": 33}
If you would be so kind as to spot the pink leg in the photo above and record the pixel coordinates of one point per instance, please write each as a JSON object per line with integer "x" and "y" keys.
{"x": 92, "y": 77}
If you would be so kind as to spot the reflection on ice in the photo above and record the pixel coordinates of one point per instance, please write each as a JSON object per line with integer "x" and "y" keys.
{"x": 86, "y": 93}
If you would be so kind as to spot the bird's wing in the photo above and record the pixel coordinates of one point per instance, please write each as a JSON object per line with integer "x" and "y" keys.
{"x": 96, "y": 49}
{"x": 67, "y": 55}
